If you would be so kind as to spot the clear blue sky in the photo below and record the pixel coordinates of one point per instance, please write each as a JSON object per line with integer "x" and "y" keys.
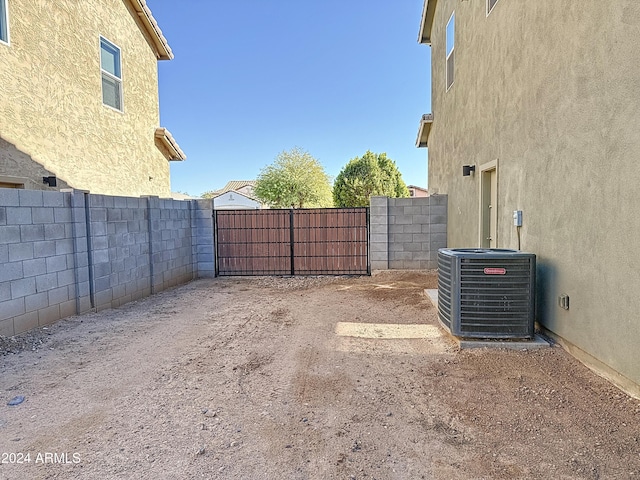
{"x": 252, "y": 78}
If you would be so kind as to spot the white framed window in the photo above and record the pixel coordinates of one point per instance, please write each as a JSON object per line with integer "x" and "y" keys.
{"x": 4, "y": 22}
{"x": 111, "y": 69}
{"x": 451, "y": 31}
{"x": 490, "y": 5}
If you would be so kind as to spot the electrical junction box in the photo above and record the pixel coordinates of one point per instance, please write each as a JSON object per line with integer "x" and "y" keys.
{"x": 517, "y": 218}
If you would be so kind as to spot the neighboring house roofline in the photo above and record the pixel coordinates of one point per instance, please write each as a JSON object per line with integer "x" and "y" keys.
{"x": 157, "y": 40}
{"x": 234, "y": 185}
{"x": 423, "y": 131}
{"x": 417, "y": 188}
{"x": 426, "y": 24}
{"x": 173, "y": 151}
{"x": 234, "y": 192}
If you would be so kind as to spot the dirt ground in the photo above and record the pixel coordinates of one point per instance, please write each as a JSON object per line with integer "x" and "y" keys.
{"x": 300, "y": 378}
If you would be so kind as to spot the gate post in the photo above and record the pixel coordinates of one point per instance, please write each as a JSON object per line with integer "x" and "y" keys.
{"x": 291, "y": 240}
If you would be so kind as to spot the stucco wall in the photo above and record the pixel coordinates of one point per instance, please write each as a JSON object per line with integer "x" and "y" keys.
{"x": 51, "y": 105}
{"x": 550, "y": 90}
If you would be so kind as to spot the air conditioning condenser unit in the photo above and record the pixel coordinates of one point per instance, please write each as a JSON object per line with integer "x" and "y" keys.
{"x": 487, "y": 293}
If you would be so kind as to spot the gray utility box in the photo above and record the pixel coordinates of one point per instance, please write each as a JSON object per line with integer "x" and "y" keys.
{"x": 487, "y": 293}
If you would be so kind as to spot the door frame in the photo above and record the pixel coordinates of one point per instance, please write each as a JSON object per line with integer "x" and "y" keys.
{"x": 486, "y": 188}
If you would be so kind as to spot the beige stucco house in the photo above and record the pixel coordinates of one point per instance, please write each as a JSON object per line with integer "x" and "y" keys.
{"x": 539, "y": 100}
{"x": 79, "y": 97}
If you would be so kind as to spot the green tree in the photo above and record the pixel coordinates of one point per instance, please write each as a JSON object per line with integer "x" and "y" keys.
{"x": 296, "y": 179}
{"x": 363, "y": 177}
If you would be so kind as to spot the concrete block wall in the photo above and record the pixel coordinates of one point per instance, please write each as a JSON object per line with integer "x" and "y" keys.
{"x": 70, "y": 252}
{"x": 406, "y": 233}
{"x": 119, "y": 244}
{"x": 171, "y": 243}
{"x": 202, "y": 239}
{"x": 37, "y": 261}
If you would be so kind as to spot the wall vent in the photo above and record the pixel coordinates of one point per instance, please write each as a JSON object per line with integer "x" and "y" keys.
{"x": 487, "y": 293}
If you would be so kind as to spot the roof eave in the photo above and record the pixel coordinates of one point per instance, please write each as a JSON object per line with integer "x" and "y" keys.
{"x": 174, "y": 153}
{"x": 424, "y": 130}
{"x": 426, "y": 23}
{"x": 158, "y": 42}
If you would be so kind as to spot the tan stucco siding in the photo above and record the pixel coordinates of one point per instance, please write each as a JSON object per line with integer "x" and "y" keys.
{"x": 550, "y": 90}
{"x": 52, "y": 110}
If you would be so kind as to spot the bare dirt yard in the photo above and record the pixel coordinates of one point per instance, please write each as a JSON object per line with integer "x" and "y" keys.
{"x": 300, "y": 378}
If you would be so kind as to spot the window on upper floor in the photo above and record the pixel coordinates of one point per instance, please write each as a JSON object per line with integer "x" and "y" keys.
{"x": 451, "y": 28}
{"x": 490, "y": 5}
{"x": 4, "y": 22}
{"x": 110, "y": 67}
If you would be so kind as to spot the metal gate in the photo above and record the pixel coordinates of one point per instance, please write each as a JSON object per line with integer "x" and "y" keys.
{"x": 319, "y": 241}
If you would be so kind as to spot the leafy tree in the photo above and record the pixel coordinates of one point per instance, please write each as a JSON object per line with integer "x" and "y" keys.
{"x": 294, "y": 179}
{"x": 208, "y": 194}
{"x": 363, "y": 177}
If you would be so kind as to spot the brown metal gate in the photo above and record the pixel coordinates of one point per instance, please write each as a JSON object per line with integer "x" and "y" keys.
{"x": 319, "y": 241}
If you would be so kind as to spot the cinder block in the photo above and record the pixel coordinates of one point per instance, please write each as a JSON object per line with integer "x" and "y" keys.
{"x": 42, "y": 215}
{"x": 46, "y": 282}
{"x": 9, "y": 197}
{"x": 119, "y": 291}
{"x": 55, "y": 199}
{"x": 62, "y": 215}
{"x": 31, "y": 233}
{"x": 20, "y": 251}
{"x": 98, "y": 214}
{"x": 96, "y": 201}
{"x": 44, "y": 249}
{"x": 403, "y": 220}
{"x": 58, "y": 295}
{"x": 102, "y": 284}
{"x": 6, "y": 327}
{"x": 68, "y": 308}
{"x": 18, "y": 216}
{"x": 56, "y": 263}
{"x": 4, "y": 253}
{"x": 30, "y": 198}
{"x": 11, "y": 271}
{"x": 413, "y": 247}
{"x": 64, "y": 246}
{"x": 84, "y": 305}
{"x": 54, "y": 231}
{"x": 101, "y": 256}
{"x": 401, "y": 238}
{"x": 103, "y": 299}
{"x": 412, "y": 210}
{"x": 66, "y": 277}
{"x": 5, "y": 291}
{"x": 11, "y": 308}
{"x": 420, "y": 237}
{"x": 49, "y": 315}
{"x": 98, "y": 229}
{"x": 25, "y": 322}
{"x": 36, "y": 302}
{"x": 439, "y": 199}
{"x": 438, "y": 240}
{"x": 23, "y": 287}
{"x": 438, "y": 228}
{"x": 9, "y": 233}
{"x": 438, "y": 210}
{"x": 32, "y": 268}
{"x": 114, "y": 215}
{"x": 3, "y": 215}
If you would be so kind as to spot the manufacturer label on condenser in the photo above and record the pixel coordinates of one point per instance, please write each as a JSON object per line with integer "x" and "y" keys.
{"x": 495, "y": 271}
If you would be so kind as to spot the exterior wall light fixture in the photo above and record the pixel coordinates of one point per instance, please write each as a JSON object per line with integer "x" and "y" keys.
{"x": 51, "y": 181}
{"x": 467, "y": 169}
